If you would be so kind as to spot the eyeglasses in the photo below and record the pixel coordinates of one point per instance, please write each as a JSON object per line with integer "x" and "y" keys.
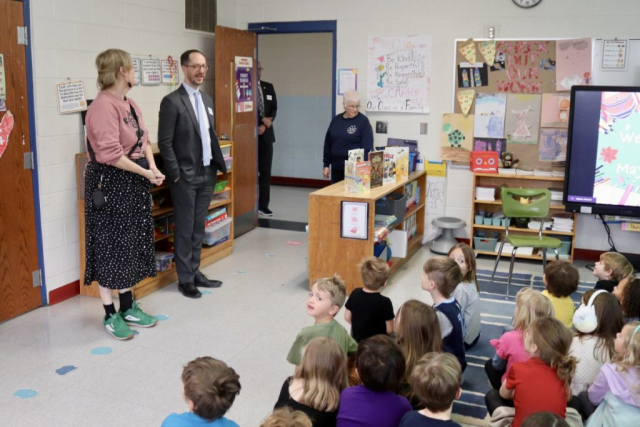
{"x": 198, "y": 67}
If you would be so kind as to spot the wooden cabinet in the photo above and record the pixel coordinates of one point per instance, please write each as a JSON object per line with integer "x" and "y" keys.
{"x": 330, "y": 254}
{"x": 517, "y": 181}
{"x": 162, "y": 211}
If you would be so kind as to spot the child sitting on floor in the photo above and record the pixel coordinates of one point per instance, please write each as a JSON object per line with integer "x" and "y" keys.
{"x": 542, "y": 383}
{"x": 209, "y": 388}
{"x": 286, "y": 417}
{"x": 593, "y": 343}
{"x": 628, "y": 293}
{"x": 325, "y": 300}
{"x": 436, "y": 380}
{"x": 381, "y": 367}
{"x": 530, "y": 305}
{"x": 316, "y": 386}
{"x": 440, "y": 277}
{"x": 417, "y": 333}
{"x": 560, "y": 281}
{"x": 367, "y": 310}
{"x": 611, "y": 269}
{"x": 617, "y": 388}
{"x": 466, "y": 293}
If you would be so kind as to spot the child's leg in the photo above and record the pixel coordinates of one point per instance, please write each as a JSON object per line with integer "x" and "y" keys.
{"x": 493, "y": 400}
{"x": 474, "y": 342}
{"x": 495, "y": 376}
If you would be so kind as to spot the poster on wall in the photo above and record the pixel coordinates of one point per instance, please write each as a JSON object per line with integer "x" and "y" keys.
{"x": 354, "y": 220}
{"x": 553, "y": 145}
{"x": 136, "y": 66}
{"x": 614, "y": 55}
{"x": 71, "y": 98}
{"x": 489, "y": 121}
{"x": 523, "y": 118}
{"x": 456, "y": 137}
{"x": 243, "y": 85}
{"x": 347, "y": 80}
{"x": 555, "y": 110}
{"x": 3, "y": 86}
{"x": 398, "y": 75}
{"x": 151, "y": 72}
{"x": 573, "y": 63}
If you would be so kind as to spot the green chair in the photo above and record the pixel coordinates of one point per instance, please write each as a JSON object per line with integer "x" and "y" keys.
{"x": 539, "y": 200}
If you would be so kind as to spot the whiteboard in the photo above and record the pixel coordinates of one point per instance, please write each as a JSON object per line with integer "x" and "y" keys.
{"x": 628, "y": 77}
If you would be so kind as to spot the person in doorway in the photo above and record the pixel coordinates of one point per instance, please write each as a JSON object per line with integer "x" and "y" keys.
{"x": 192, "y": 158}
{"x": 267, "y": 110}
{"x": 347, "y": 131}
{"x": 119, "y": 243}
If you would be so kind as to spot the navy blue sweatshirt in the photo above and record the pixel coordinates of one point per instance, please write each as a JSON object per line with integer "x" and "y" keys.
{"x": 344, "y": 135}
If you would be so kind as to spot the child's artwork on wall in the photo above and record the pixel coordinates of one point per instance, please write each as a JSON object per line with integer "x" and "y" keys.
{"x": 473, "y": 74}
{"x": 523, "y": 118}
{"x": 468, "y": 50}
{"x": 553, "y": 145}
{"x": 555, "y": 110}
{"x": 490, "y": 144}
{"x": 465, "y": 98}
{"x": 489, "y": 120}
{"x": 456, "y": 137}
{"x": 573, "y": 63}
{"x": 488, "y": 50}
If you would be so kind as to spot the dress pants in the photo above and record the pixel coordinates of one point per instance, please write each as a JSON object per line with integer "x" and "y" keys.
{"x": 190, "y": 206}
{"x": 337, "y": 175}
{"x": 265, "y": 158}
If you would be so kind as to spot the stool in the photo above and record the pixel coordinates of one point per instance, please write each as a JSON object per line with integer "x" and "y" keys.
{"x": 446, "y": 241}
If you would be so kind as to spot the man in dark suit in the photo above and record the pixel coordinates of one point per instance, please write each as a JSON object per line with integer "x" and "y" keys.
{"x": 192, "y": 157}
{"x": 267, "y": 109}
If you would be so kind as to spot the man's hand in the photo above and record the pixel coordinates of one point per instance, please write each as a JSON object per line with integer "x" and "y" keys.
{"x": 325, "y": 173}
{"x": 261, "y": 129}
{"x": 267, "y": 121}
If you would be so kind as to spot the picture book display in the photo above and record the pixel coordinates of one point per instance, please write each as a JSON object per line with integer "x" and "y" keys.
{"x": 376, "y": 159}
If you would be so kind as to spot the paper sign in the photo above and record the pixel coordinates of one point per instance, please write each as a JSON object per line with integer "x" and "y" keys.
{"x": 243, "y": 85}
{"x": 465, "y": 98}
{"x": 614, "y": 54}
{"x": 434, "y": 197}
{"x": 468, "y": 50}
{"x": 136, "y": 66}
{"x": 170, "y": 74}
{"x": 6, "y": 126}
{"x": 630, "y": 226}
{"x": 151, "y": 72}
{"x": 347, "y": 80}
{"x": 3, "y": 86}
{"x": 71, "y": 97}
{"x": 354, "y": 220}
{"x": 488, "y": 51}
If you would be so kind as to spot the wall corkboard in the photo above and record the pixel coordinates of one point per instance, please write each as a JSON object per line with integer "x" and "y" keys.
{"x": 521, "y": 66}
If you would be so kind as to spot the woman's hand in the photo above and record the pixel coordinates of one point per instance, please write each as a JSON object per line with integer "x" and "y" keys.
{"x": 158, "y": 175}
{"x": 325, "y": 173}
{"x": 151, "y": 176}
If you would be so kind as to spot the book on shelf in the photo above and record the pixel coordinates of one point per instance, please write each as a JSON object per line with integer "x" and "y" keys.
{"x": 396, "y": 165}
{"x": 356, "y": 155}
{"x": 540, "y": 172}
{"x": 380, "y": 233}
{"x": 357, "y": 176}
{"x": 376, "y": 159}
{"x": 506, "y": 171}
{"x": 413, "y": 196}
{"x": 562, "y": 222}
{"x": 486, "y": 193}
{"x": 535, "y": 225}
{"x": 508, "y": 248}
{"x": 216, "y": 216}
{"x": 524, "y": 172}
{"x": 384, "y": 220}
{"x": 557, "y": 174}
{"x": 410, "y": 226}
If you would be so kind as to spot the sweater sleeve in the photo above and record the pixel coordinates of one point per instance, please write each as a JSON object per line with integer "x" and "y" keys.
{"x": 367, "y": 138}
{"x": 104, "y": 133}
{"x": 599, "y": 388}
{"x": 326, "y": 156}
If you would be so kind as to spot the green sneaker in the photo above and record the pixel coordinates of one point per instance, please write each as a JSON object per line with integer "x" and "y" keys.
{"x": 136, "y": 317}
{"x": 115, "y": 326}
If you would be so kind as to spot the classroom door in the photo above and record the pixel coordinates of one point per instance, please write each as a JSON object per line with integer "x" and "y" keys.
{"x": 18, "y": 243}
{"x": 240, "y": 127}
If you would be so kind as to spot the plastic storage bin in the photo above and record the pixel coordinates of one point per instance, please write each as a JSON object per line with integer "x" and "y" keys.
{"x": 497, "y": 221}
{"x": 392, "y": 204}
{"x": 488, "y": 220}
{"x": 228, "y": 161}
{"x": 485, "y": 241}
{"x": 223, "y": 195}
{"x": 220, "y": 185}
{"x": 217, "y": 233}
{"x": 163, "y": 261}
{"x": 226, "y": 150}
{"x": 565, "y": 249}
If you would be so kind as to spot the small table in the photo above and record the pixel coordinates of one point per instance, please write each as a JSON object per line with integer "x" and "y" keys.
{"x": 444, "y": 244}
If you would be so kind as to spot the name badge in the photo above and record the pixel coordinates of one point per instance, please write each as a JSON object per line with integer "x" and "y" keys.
{"x": 269, "y": 98}
{"x": 210, "y": 111}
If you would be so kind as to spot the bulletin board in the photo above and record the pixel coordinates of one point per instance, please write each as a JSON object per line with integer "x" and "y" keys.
{"x": 514, "y": 69}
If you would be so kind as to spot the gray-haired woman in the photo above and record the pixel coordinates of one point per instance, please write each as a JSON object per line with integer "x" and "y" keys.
{"x": 347, "y": 131}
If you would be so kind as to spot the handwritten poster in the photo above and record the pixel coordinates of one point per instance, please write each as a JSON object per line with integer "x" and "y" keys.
{"x": 435, "y": 197}
{"x": 243, "y": 85}
{"x": 614, "y": 55}
{"x": 573, "y": 63}
{"x": 151, "y": 72}
{"x": 528, "y": 67}
{"x": 136, "y": 66}
{"x": 398, "y": 75}
{"x": 71, "y": 98}
{"x": 347, "y": 80}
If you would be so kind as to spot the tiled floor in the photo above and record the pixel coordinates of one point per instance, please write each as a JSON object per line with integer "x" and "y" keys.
{"x": 290, "y": 203}
{"x": 249, "y": 323}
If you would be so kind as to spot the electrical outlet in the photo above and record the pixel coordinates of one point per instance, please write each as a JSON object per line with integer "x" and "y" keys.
{"x": 423, "y": 128}
{"x": 491, "y": 31}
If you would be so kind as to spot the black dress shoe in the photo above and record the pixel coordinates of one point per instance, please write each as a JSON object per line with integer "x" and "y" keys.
{"x": 202, "y": 281}
{"x": 189, "y": 290}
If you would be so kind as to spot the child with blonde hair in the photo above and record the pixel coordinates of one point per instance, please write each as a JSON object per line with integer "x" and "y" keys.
{"x": 367, "y": 310}
{"x": 617, "y": 388}
{"x": 560, "y": 281}
{"x": 417, "y": 333}
{"x": 593, "y": 345}
{"x": 324, "y": 302}
{"x": 436, "y": 380}
{"x": 530, "y": 305}
{"x": 542, "y": 383}
{"x": 628, "y": 293}
{"x": 286, "y": 417}
{"x": 467, "y": 292}
{"x": 316, "y": 386}
{"x": 611, "y": 269}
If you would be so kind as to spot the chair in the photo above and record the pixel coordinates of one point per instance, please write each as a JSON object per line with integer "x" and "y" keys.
{"x": 539, "y": 200}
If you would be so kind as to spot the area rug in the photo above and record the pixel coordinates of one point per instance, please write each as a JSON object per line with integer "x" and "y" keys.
{"x": 496, "y": 313}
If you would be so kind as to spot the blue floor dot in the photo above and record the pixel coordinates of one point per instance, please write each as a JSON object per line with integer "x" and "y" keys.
{"x": 101, "y": 351}
{"x": 135, "y": 332}
{"x": 66, "y": 369}
{"x": 161, "y": 317}
{"x": 205, "y": 292}
{"x": 25, "y": 393}
{"x": 241, "y": 272}
{"x": 271, "y": 255}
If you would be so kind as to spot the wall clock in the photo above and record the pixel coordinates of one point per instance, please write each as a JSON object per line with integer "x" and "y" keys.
{"x": 527, "y": 4}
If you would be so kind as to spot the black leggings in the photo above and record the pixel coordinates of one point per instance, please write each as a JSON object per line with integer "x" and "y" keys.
{"x": 495, "y": 376}
{"x": 337, "y": 175}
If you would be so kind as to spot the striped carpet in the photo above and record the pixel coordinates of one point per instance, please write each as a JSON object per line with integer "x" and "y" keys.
{"x": 496, "y": 312}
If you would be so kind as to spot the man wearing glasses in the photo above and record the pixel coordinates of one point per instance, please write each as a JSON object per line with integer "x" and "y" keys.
{"x": 192, "y": 158}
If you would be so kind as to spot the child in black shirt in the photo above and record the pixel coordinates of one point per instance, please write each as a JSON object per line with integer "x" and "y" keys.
{"x": 369, "y": 312}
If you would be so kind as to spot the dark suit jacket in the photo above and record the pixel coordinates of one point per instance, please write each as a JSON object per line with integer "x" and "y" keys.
{"x": 179, "y": 136}
{"x": 270, "y": 109}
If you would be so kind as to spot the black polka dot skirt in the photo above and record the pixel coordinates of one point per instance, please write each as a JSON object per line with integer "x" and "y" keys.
{"x": 119, "y": 240}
